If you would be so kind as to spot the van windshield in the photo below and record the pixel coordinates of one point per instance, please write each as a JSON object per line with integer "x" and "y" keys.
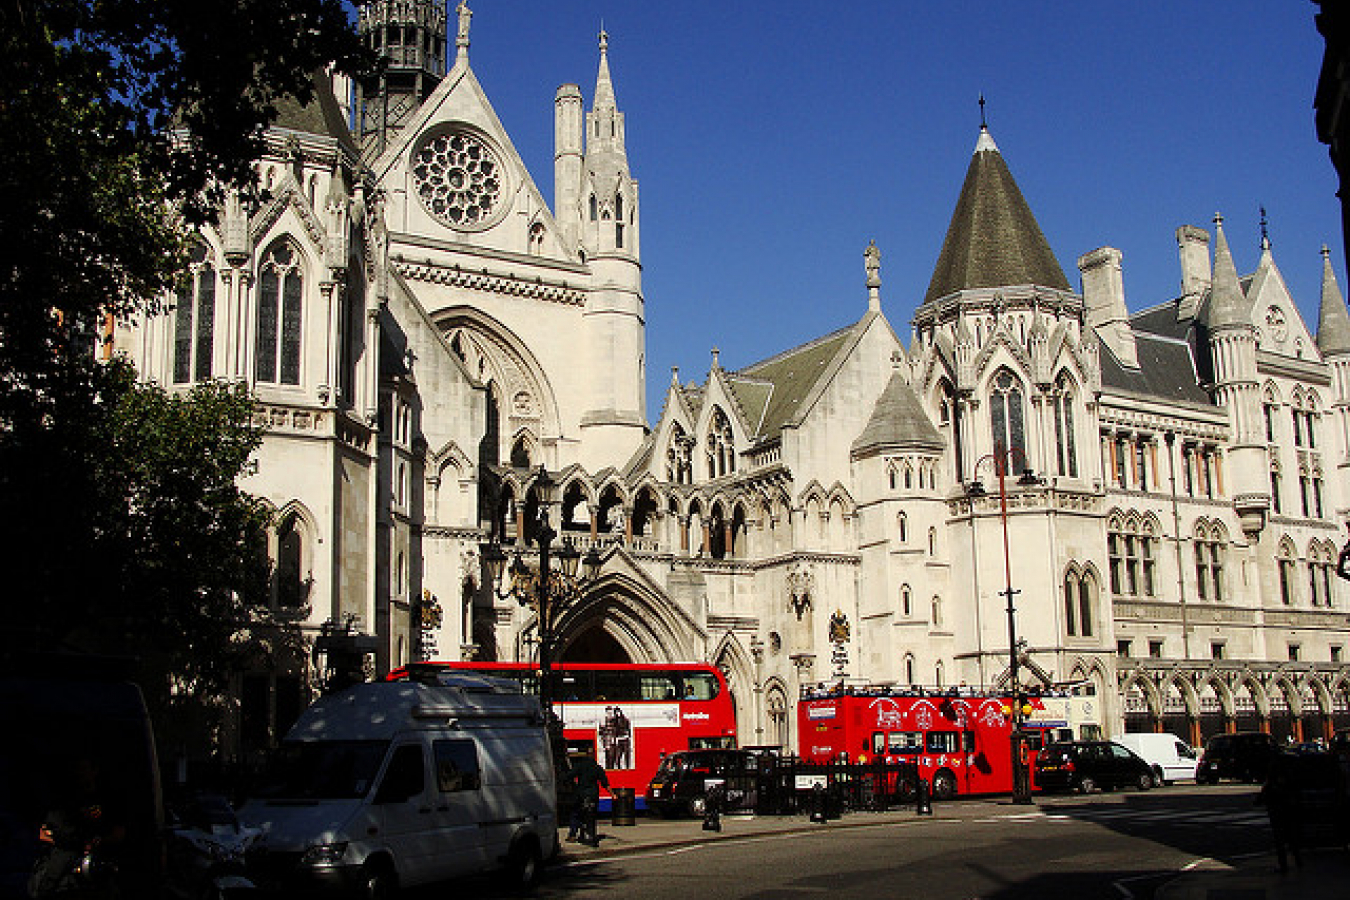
{"x": 322, "y": 770}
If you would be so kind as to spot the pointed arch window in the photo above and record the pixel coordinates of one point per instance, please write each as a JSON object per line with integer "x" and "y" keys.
{"x": 1066, "y": 450}
{"x": 595, "y": 207}
{"x": 280, "y": 292}
{"x": 720, "y": 445}
{"x": 1005, "y": 414}
{"x": 194, "y": 320}
{"x": 679, "y": 457}
{"x": 1079, "y": 604}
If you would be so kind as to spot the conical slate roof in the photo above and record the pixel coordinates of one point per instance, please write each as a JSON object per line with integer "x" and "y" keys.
{"x": 1228, "y": 305}
{"x": 993, "y": 239}
{"x": 897, "y": 421}
{"x": 1333, "y": 321}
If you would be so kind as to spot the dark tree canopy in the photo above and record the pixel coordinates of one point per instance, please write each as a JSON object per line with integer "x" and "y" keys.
{"x": 123, "y": 122}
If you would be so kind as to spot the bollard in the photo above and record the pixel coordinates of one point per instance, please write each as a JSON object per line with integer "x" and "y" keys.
{"x": 923, "y": 803}
{"x": 818, "y": 803}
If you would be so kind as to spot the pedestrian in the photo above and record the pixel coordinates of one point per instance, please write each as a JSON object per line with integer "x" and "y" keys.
{"x": 587, "y": 778}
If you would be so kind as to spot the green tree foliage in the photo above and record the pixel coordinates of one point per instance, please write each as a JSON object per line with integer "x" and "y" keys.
{"x": 122, "y": 121}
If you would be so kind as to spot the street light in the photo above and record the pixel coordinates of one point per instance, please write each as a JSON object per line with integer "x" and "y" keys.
{"x": 547, "y": 589}
{"x": 1003, "y": 460}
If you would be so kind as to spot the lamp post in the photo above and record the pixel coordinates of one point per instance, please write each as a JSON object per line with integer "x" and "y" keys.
{"x": 547, "y": 589}
{"x": 1002, "y": 460}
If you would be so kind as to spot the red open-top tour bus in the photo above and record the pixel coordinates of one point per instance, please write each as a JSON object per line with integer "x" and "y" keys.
{"x": 960, "y": 739}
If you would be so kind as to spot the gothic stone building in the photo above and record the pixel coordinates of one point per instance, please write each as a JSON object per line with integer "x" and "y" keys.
{"x": 424, "y": 331}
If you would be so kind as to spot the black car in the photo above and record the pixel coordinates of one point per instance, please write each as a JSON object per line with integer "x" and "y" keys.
{"x": 1089, "y": 766}
{"x": 683, "y": 780}
{"x": 1243, "y": 756}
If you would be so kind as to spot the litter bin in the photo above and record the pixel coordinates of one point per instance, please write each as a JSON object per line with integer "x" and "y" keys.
{"x": 624, "y": 809}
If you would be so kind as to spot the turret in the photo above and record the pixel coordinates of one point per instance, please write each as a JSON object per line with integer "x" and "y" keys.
{"x": 410, "y": 37}
{"x": 1333, "y": 339}
{"x": 615, "y": 418}
{"x": 1232, "y": 339}
{"x": 568, "y": 143}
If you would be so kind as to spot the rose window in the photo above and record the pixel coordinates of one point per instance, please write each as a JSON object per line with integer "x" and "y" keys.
{"x": 458, "y": 179}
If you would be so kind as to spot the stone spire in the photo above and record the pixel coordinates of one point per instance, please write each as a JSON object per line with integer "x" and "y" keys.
{"x": 1333, "y": 321}
{"x": 1227, "y": 305}
{"x": 604, "y": 87}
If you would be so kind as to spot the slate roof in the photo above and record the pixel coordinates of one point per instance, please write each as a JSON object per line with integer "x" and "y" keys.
{"x": 771, "y": 392}
{"x": 1333, "y": 321}
{"x": 1167, "y": 370}
{"x": 993, "y": 239}
{"x": 321, "y": 115}
{"x": 897, "y": 421}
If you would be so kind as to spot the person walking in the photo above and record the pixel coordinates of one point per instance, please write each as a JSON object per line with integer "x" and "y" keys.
{"x": 587, "y": 778}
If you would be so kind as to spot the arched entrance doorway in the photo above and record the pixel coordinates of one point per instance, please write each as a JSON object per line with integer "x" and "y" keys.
{"x": 595, "y": 645}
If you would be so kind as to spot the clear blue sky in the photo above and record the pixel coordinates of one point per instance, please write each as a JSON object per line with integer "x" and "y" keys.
{"x": 772, "y": 141}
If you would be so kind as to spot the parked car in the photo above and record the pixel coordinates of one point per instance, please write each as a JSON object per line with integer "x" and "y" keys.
{"x": 683, "y": 780}
{"x": 1171, "y": 758}
{"x": 1088, "y": 766}
{"x": 1242, "y": 756}
{"x": 398, "y": 784}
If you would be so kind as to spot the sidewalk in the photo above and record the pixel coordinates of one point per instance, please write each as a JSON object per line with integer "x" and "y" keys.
{"x": 1324, "y": 873}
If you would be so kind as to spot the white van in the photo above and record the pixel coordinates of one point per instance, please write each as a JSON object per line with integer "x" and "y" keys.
{"x": 1170, "y": 758}
{"x": 396, "y": 784}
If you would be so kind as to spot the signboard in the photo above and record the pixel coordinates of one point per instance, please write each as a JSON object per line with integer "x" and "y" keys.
{"x": 614, "y": 724}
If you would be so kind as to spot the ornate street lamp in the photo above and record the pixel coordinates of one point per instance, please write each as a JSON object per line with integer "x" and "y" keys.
{"x": 1003, "y": 460}
{"x": 548, "y": 590}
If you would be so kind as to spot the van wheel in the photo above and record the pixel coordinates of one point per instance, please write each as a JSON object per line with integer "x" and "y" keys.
{"x": 524, "y": 864}
{"x": 698, "y": 806}
{"x": 944, "y": 785}
{"x": 1158, "y": 780}
{"x": 379, "y": 883}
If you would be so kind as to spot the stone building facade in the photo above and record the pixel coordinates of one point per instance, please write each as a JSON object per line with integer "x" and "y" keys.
{"x": 1163, "y": 491}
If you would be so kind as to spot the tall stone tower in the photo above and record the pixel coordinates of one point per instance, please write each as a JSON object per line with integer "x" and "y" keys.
{"x": 410, "y": 37}
{"x": 597, "y": 209}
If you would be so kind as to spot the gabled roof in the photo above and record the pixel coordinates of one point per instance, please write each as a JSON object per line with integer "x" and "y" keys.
{"x": 993, "y": 239}
{"x": 773, "y": 391}
{"x": 898, "y": 421}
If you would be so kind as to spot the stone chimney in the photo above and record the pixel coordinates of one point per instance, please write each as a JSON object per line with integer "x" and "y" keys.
{"x": 1104, "y": 299}
{"x": 1193, "y": 245}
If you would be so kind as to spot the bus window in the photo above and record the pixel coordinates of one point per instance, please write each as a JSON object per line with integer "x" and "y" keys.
{"x": 909, "y": 742}
{"x": 699, "y": 686}
{"x": 878, "y": 742}
{"x": 943, "y": 741}
{"x": 657, "y": 687}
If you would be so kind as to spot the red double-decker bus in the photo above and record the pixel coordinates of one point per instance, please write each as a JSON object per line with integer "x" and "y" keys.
{"x": 629, "y": 715}
{"x": 960, "y": 740}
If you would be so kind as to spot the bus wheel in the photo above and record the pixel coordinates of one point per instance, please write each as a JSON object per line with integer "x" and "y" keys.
{"x": 944, "y": 785}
